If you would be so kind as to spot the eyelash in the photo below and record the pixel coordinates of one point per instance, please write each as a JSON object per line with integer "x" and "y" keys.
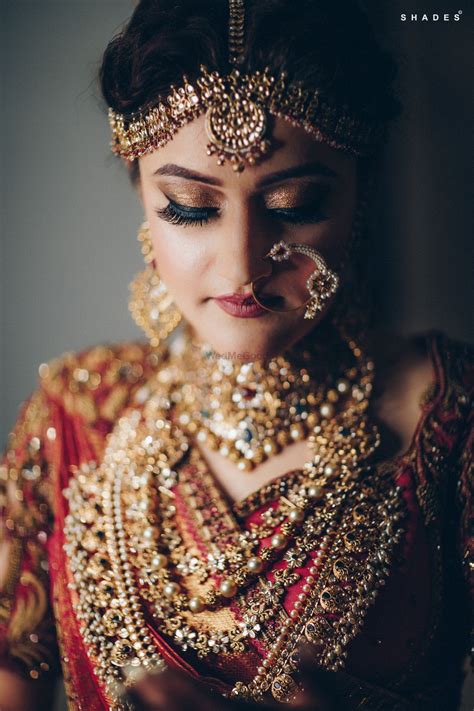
{"x": 177, "y": 214}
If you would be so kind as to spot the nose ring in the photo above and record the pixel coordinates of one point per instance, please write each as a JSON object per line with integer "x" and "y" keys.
{"x": 321, "y": 283}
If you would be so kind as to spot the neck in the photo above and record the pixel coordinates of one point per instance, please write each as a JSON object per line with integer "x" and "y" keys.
{"x": 323, "y": 350}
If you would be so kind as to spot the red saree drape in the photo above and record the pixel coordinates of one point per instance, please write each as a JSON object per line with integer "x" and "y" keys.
{"x": 410, "y": 650}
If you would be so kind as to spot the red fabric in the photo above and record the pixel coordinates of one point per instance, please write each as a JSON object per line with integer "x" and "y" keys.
{"x": 398, "y": 621}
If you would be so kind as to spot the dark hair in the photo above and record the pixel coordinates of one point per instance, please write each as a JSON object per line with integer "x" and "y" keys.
{"x": 322, "y": 43}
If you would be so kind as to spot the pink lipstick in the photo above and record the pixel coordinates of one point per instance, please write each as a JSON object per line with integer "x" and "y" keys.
{"x": 240, "y": 306}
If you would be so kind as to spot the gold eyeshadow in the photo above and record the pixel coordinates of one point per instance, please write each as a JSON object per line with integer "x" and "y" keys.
{"x": 191, "y": 197}
{"x": 282, "y": 198}
{"x": 294, "y": 196}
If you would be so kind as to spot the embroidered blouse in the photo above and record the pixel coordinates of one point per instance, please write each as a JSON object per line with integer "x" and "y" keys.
{"x": 408, "y": 653}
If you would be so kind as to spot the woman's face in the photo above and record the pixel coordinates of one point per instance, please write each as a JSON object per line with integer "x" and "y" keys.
{"x": 210, "y": 227}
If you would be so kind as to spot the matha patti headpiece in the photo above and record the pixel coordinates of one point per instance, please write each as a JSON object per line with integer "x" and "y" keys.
{"x": 237, "y": 107}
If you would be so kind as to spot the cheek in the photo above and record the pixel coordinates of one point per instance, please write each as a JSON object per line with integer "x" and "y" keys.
{"x": 180, "y": 260}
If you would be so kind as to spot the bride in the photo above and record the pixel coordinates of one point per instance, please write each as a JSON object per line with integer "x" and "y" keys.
{"x": 267, "y": 503}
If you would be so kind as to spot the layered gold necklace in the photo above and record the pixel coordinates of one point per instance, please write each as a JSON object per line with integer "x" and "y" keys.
{"x": 248, "y": 411}
{"x": 333, "y": 525}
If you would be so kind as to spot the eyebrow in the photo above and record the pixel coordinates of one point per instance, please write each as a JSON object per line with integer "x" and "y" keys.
{"x": 299, "y": 171}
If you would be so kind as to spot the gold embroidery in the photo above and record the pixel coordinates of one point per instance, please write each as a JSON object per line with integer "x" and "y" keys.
{"x": 27, "y": 517}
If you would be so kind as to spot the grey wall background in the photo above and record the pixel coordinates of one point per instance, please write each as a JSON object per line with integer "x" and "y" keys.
{"x": 69, "y": 217}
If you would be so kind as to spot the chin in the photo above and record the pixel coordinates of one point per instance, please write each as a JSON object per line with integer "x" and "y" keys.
{"x": 248, "y": 339}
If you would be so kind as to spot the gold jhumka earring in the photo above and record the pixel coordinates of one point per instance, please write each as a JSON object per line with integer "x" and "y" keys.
{"x": 237, "y": 109}
{"x": 151, "y": 305}
{"x": 338, "y": 517}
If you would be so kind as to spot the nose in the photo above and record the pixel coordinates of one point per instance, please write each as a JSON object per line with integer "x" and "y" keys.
{"x": 240, "y": 252}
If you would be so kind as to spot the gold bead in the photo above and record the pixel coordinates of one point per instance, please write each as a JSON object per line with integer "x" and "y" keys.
{"x": 279, "y": 541}
{"x": 211, "y": 441}
{"x": 258, "y": 456}
{"x": 254, "y": 564}
{"x": 245, "y": 465}
{"x": 270, "y": 447}
{"x": 326, "y": 410}
{"x": 282, "y": 437}
{"x": 342, "y": 386}
{"x": 297, "y": 431}
{"x": 196, "y": 604}
{"x": 228, "y": 588}
{"x": 171, "y": 589}
{"x": 296, "y": 515}
{"x": 158, "y": 561}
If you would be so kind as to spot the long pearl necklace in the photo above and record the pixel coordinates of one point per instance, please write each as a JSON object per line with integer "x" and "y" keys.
{"x": 335, "y": 523}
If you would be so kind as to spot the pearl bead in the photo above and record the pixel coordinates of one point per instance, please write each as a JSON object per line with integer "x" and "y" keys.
{"x": 314, "y": 491}
{"x": 244, "y": 465}
{"x": 296, "y": 515}
{"x": 296, "y": 431}
{"x": 170, "y": 589}
{"x": 278, "y": 540}
{"x": 228, "y": 588}
{"x": 342, "y": 385}
{"x": 158, "y": 561}
{"x": 196, "y": 604}
{"x": 254, "y": 564}
{"x": 326, "y": 410}
{"x": 310, "y": 580}
{"x": 269, "y": 447}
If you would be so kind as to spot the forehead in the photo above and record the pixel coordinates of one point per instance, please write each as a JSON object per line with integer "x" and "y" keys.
{"x": 290, "y": 146}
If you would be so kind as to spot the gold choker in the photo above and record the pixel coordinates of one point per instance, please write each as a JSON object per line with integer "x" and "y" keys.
{"x": 249, "y": 411}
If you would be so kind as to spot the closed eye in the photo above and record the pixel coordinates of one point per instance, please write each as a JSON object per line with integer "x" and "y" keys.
{"x": 182, "y": 215}
{"x": 177, "y": 214}
{"x": 299, "y": 215}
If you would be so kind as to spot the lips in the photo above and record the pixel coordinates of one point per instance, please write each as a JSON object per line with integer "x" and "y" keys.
{"x": 237, "y": 298}
{"x": 239, "y": 305}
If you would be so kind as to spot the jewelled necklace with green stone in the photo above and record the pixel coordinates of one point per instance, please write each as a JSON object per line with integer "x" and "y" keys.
{"x": 249, "y": 411}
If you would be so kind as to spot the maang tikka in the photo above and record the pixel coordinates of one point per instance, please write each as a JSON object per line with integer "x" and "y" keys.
{"x": 238, "y": 107}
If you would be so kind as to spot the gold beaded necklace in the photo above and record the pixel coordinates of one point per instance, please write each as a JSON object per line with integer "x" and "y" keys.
{"x": 248, "y": 411}
{"x": 325, "y": 523}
